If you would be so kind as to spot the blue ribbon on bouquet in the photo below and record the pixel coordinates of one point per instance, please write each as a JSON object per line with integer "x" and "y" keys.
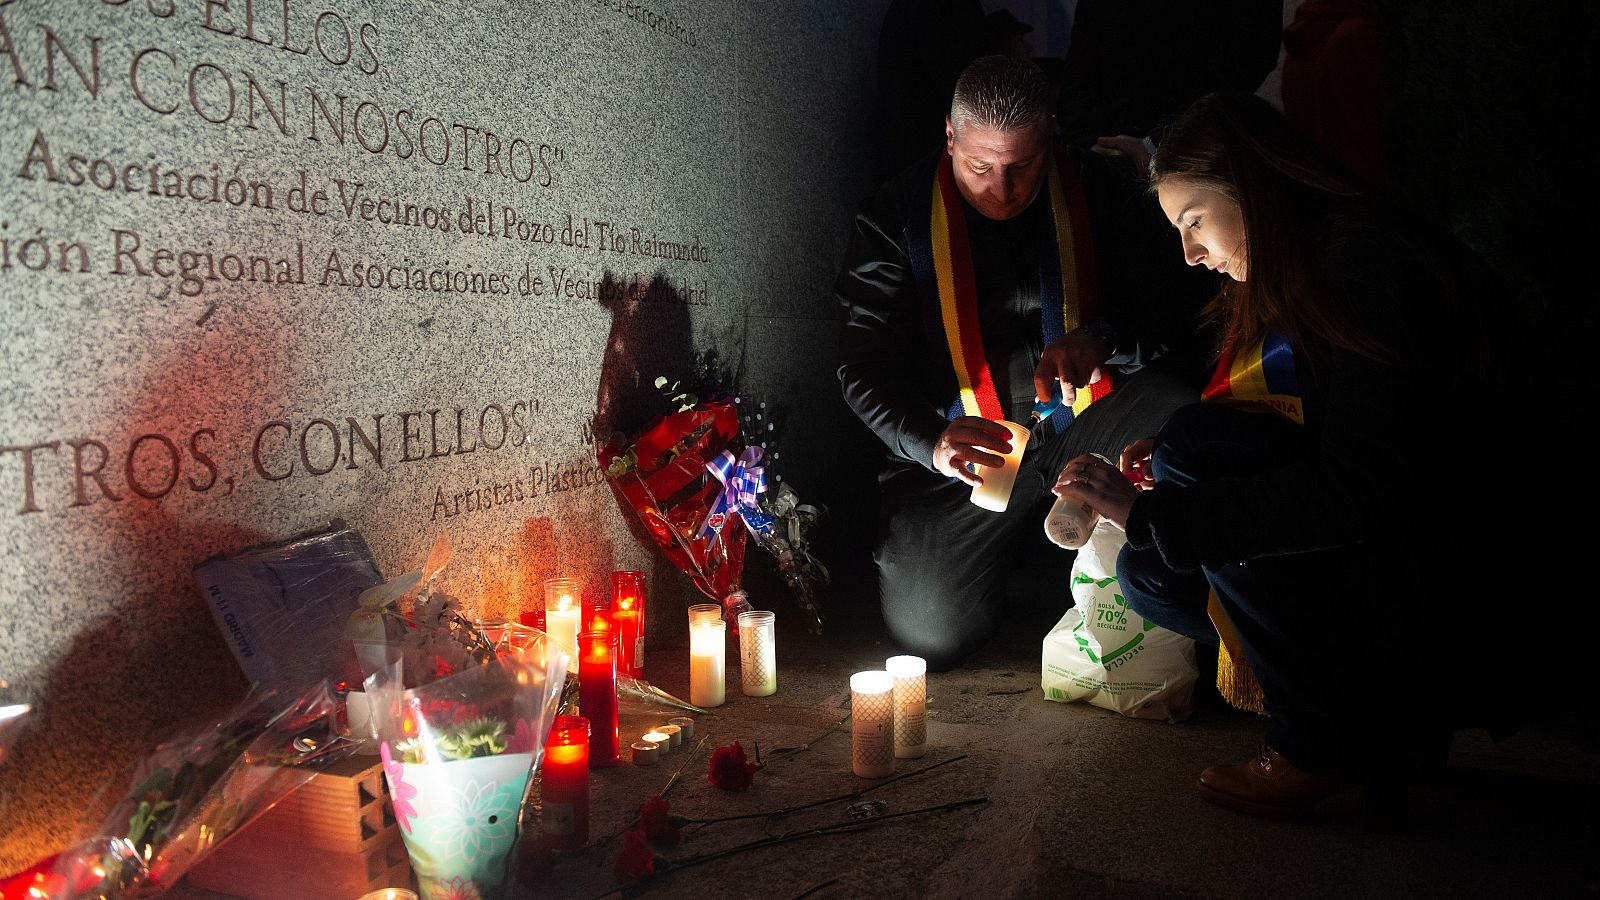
{"x": 743, "y": 479}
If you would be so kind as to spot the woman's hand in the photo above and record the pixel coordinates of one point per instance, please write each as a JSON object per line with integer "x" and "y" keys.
{"x": 1135, "y": 463}
{"x": 1101, "y": 485}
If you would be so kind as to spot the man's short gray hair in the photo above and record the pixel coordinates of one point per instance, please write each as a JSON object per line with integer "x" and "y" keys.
{"x": 1001, "y": 92}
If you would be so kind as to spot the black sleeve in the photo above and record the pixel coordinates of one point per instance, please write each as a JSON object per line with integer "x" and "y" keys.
{"x": 1371, "y": 430}
{"x": 881, "y": 337}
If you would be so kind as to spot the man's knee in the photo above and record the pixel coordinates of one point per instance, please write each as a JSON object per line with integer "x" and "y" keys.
{"x": 938, "y": 629}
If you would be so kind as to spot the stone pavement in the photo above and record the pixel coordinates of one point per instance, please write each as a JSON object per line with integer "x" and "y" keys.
{"x": 1076, "y": 800}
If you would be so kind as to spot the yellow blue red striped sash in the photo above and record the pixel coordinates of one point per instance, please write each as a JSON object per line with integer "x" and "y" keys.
{"x": 1066, "y": 287}
{"x": 1261, "y": 379}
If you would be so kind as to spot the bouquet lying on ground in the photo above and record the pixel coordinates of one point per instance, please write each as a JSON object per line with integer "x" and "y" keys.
{"x": 461, "y": 723}
{"x": 195, "y": 791}
{"x": 697, "y": 480}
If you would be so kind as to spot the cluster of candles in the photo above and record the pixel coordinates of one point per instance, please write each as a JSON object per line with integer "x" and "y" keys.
{"x": 758, "y": 654}
{"x": 661, "y": 739}
{"x": 565, "y": 616}
{"x": 604, "y": 640}
{"x": 607, "y": 641}
{"x": 564, "y": 777}
{"x": 888, "y": 709}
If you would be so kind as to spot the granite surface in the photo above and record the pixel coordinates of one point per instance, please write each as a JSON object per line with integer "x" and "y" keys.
{"x": 265, "y": 265}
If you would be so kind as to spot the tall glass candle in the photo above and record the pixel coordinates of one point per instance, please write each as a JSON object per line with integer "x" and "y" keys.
{"x": 564, "y": 781}
{"x": 910, "y": 674}
{"x": 872, "y": 724}
{"x": 597, "y": 694}
{"x": 562, "y": 613}
{"x": 758, "y": 653}
{"x": 995, "y": 492}
{"x": 707, "y": 661}
{"x": 627, "y": 611}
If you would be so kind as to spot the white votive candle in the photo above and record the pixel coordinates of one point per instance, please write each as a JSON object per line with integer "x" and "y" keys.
{"x": 872, "y": 724}
{"x": 358, "y": 715}
{"x": 910, "y": 674}
{"x": 758, "y": 653}
{"x": 661, "y": 739}
{"x": 562, "y": 614}
{"x": 707, "y": 662}
{"x": 995, "y": 492}
{"x": 389, "y": 893}
{"x": 685, "y": 726}
{"x": 673, "y": 732}
{"x": 645, "y": 753}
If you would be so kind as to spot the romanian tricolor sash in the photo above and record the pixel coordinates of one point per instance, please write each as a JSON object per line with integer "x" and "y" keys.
{"x": 1261, "y": 379}
{"x": 1066, "y": 286}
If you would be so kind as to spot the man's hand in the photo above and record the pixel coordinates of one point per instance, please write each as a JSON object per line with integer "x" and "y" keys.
{"x": 965, "y": 442}
{"x": 1125, "y": 145}
{"x": 1074, "y": 359}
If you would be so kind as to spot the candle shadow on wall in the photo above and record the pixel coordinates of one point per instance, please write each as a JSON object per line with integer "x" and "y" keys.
{"x": 140, "y": 655}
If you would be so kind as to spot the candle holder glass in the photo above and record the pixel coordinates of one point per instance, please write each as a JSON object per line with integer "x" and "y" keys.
{"x": 704, "y": 612}
{"x": 872, "y": 724}
{"x": 564, "y": 784}
{"x": 995, "y": 492}
{"x": 627, "y": 613}
{"x": 708, "y": 649}
{"x": 563, "y": 615}
{"x": 910, "y": 705}
{"x": 758, "y": 653}
{"x": 597, "y": 694}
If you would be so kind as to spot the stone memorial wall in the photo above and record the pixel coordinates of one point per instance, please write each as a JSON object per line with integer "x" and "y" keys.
{"x": 267, "y": 264}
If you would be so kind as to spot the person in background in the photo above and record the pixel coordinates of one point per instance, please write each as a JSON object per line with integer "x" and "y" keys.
{"x": 1325, "y": 501}
{"x": 1132, "y": 66}
{"x": 1038, "y": 272}
{"x": 922, "y": 47}
{"x": 1332, "y": 84}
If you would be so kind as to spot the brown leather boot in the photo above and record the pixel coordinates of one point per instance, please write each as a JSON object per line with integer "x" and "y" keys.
{"x": 1268, "y": 786}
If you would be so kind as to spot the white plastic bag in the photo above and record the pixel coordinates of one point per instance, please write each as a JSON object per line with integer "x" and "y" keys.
{"x": 1103, "y": 652}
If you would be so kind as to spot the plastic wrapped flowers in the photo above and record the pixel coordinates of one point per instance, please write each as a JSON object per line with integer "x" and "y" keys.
{"x": 461, "y": 728}
{"x": 195, "y": 791}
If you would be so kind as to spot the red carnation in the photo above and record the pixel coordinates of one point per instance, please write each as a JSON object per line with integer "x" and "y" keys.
{"x": 658, "y": 824}
{"x": 730, "y": 769}
{"x": 636, "y": 859}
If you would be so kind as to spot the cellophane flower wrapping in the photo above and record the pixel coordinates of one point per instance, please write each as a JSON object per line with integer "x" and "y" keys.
{"x": 700, "y": 488}
{"x": 664, "y": 476}
{"x": 461, "y": 728}
{"x": 196, "y": 790}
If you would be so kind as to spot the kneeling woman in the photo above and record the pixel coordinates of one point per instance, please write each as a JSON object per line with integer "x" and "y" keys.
{"x": 1324, "y": 494}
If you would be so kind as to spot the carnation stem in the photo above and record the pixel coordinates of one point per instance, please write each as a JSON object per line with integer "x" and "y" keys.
{"x": 841, "y": 827}
{"x": 786, "y": 752}
{"x": 853, "y": 795}
{"x": 681, "y": 766}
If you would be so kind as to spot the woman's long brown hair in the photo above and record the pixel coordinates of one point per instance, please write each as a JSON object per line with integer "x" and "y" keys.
{"x": 1242, "y": 148}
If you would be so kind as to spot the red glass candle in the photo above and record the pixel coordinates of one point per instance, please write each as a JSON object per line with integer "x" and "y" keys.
{"x": 627, "y": 614}
{"x": 564, "y": 782}
{"x": 597, "y": 613}
{"x": 597, "y": 694}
